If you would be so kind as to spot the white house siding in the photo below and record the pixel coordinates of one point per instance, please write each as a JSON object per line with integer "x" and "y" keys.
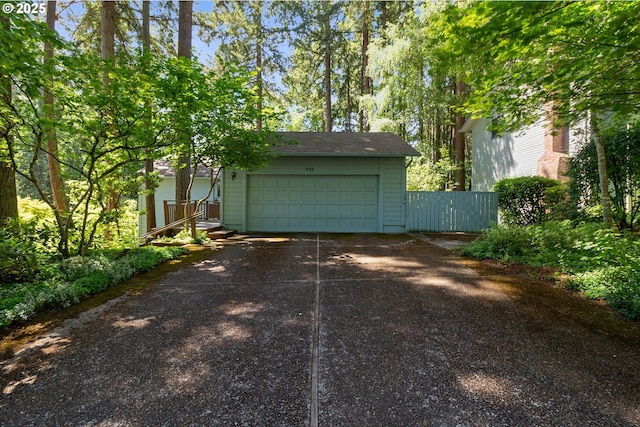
{"x": 504, "y": 156}
{"x": 482, "y": 174}
{"x": 167, "y": 191}
{"x": 390, "y": 172}
{"x": 579, "y": 136}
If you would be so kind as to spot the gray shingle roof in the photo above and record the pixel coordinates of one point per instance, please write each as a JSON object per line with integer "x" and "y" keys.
{"x": 166, "y": 170}
{"x": 356, "y": 144}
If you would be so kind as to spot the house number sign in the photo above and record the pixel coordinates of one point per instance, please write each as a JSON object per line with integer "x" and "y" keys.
{"x": 310, "y": 169}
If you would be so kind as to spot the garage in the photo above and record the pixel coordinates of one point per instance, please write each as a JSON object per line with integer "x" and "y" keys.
{"x": 322, "y": 182}
{"x": 312, "y": 203}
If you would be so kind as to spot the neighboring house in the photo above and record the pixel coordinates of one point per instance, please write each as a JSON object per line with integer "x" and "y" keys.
{"x": 323, "y": 182}
{"x": 166, "y": 192}
{"x": 535, "y": 150}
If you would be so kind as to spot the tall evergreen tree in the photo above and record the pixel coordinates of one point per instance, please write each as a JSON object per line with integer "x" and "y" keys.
{"x": 249, "y": 34}
{"x": 8, "y": 193}
{"x": 309, "y": 83}
{"x": 183, "y": 166}
{"x": 150, "y": 196}
{"x": 58, "y": 192}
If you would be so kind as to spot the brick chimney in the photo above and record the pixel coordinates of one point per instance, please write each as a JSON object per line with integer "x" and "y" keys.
{"x": 554, "y": 161}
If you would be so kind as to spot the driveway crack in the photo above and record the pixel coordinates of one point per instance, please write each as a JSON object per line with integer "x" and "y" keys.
{"x": 313, "y": 416}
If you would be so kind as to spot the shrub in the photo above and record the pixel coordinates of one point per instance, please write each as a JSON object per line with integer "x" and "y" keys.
{"x": 599, "y": 262}
{"x": 620, "y": 137}
{"x": 74, "y": 278}
{"x": 184, "y": 237}
{"x": 18, "y": 254}
{"x": 529, "y": 200}
{"x": 500, "y": 242}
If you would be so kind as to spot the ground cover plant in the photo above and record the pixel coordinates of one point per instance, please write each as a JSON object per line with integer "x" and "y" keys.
{"x": 35, "y": 277}
{"x": 64, "y": 282}
{"x": 595, "y": 260}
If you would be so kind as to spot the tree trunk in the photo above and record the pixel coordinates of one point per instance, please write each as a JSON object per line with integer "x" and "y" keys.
{"x": 8, "y": 193}
{"x": 328, "y": 120}
{"x": 605, "y": 197}
{"x": 108, "y": 52}
{"x": 259, "y": 43}
{"x": 384, "y": 16}
{"x": 108, "y": 32}
{"x": 150, "y": 195}
{"x": 349, "y": 108}
{"x": 183, "y": 169}
{"x": 459, "y": 141}
{"x": 58, "y": 193}
{"x": 365, "y": 80}
{"x": 185, "y": 28}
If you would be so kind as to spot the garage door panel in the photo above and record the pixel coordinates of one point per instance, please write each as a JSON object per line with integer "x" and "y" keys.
{"x": 282, "y": 211}
{"x": 312, "y": 203}
{"x": 294, "y": 196}
{"x": 281, "y": 223}
{"x": 294, "y": 211}
{"x": 320, "y": 211}
{"x": 344, "y": 211}
{"x": 306, "y": 210}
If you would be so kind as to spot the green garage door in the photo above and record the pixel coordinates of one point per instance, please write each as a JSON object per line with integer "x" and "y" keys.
{"x": 312, "y": 203}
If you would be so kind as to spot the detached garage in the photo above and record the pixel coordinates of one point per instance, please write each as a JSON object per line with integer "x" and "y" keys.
{"x": 322, "y": 182}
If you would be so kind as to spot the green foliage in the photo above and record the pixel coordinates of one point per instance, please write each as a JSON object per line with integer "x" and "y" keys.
{"x": 621, "y": 141}
{"x": 530, "y": 199}
{"x": 18, "y": 256}
{"x": 33, "y": 277}
{"x": 429, "y": 176}
{"x": 69, "y": 280}
{"x": 184, "y": 237}
{"x": 514, "y": 64}
{"x": 102, "y": 136}
{"x": 505, "y": 243}
{"x": 599, "y": 262}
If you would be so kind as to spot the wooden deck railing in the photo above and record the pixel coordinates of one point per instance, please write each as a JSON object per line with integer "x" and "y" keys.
{"x": 174, "y": 210}
{"x": 150, "y": 234}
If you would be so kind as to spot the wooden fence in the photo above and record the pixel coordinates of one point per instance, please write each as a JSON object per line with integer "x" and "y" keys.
{"x": 451, "y": 211}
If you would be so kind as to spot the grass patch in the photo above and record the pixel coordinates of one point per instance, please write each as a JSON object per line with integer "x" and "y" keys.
{"x": 64, "y": 282}
{"x": 598, "y": 262}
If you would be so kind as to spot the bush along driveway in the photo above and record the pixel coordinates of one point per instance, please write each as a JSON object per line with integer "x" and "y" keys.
{"x": 305, "y": 330}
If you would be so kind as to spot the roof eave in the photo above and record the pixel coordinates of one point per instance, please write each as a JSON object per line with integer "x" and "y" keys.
{"x": 334, "y": 154}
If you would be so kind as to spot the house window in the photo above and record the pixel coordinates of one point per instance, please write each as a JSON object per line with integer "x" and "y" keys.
{"x": 496, "y": 123}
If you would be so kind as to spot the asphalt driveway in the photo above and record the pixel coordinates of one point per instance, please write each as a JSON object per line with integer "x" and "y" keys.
{"x": 331, "y": 330}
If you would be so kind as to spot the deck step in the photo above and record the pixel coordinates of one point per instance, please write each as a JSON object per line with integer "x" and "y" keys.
{"x": 221, "y": 234}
